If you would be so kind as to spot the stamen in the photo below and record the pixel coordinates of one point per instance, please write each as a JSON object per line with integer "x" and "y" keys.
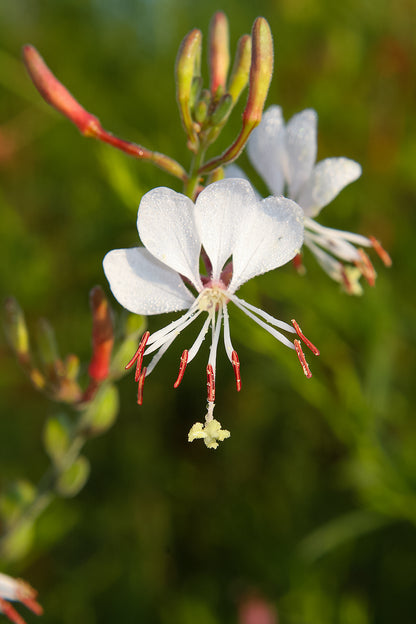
{"x": 138, "y": 367}
{"x": 302, "y": 359}
{"x": 382, "y": 253}
{"x": 165, "y": 336}
{"x": 236, "y": 366}
{"x": 210, "y": 383}
{"x": 140, "y": 386}
{"x": 298, "y": 264}
{"x": 346, "y": 281}
{"x": 267, "y": 317}
{"x": 308, "y": 343}
{"x": 10, "y": 612}
{"x": 366, "y": 268}
{"x": 140, "y": 349}
{"x": 182, "y": 366}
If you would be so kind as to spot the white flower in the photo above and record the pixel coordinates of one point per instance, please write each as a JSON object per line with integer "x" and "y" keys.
{"x": 227, "y": 221}
{"x": 17, "y": 590}
{"x": 284, "y": 156}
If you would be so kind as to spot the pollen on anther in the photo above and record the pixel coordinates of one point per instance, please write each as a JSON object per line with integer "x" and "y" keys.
{"x": 302, "y": 336}
{"x": 210, "y": 383}
{"x": 302, "y": 359}
{"x": 380, "y": 251}
{"x": 140, "y": 350}
{"x": 236, "y": 366}
{"x": 140, "y": 386}
{"x": 182, "y": 366}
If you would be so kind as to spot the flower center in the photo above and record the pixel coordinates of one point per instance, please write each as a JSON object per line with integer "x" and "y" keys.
{"x": 212, "y": 298}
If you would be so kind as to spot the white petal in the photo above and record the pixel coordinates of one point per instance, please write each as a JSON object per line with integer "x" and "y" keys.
{"x": 8, "y": 587}
{"x": 272, "y": 235}
{"x": 267, "y": 150}
{"x": 167, "y": 228}
{"x": 219, "y": 211}
{"x": 233, "y": 171}
{"x": 144, "y": 285}
{"x": 301, "y": 148}
{"x": 328, "y": 178}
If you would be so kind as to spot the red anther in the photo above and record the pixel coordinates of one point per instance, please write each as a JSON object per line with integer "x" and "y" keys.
{"x": 210, "y": 383}
{"x": 382, "y": 253}
{"x": 10, "y": 612}
{"x": 366, "y": 268}
{"x": 32, "y": 604}
{"x": 139, "y": 351}
{"x": 298, "y": 264}
{"x": 139, "y": 363}
{"x": 140, "y": 386}
{"x": 182, "y": 366}
{"x": 302, "y": 359}
{"x": 308, "y": 343}
{"x": 236, "y": 366}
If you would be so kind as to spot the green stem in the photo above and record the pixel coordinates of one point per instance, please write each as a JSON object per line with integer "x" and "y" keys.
{"x": 45, "y": 492}
{"x": 191, "y": 184}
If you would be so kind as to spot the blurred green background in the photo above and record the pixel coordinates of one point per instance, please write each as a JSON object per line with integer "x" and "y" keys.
{"x": 311, "y": 503}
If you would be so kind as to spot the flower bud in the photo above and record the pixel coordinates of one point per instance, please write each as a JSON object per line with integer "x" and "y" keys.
{"x": 48, "y": 349}
{"x": 102, "y": 335}
{"x": 186, "y": 69}
{"x": 16, "y": 330}
{"x": 261, "y": 71}
{"x": 222, "y": 110}
{"x": 195, "y": 90}
{"x": 241, "y": 68}
{"x": 219, "y": 53}
{"x": 56, "y": 94}
{"x": 201, "y": 111}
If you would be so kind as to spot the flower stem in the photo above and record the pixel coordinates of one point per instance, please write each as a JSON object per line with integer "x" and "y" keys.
{"x": 192, "y": 182}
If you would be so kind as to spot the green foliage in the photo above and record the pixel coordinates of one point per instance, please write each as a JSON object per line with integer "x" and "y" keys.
{"x": 101, "y": 413}
{"x": 73, "y": 478}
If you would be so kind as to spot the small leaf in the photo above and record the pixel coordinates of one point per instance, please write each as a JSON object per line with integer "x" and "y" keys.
{"x": 17, "y": 543}
{"x": 102, "y": 412}
{"x": 73, "y": 479}
{"x": 57, "y": 437}
{"x": 14, "y": 498}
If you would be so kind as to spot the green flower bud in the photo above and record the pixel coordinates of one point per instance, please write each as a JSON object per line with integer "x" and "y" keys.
{"x": 261, "y": 71}
{"x": 241, "y": 69}
{"x": 16, "y": 330}
{"x": 219, "y": 53}
{"x": 187, "y": 67}
{"x": 222, "y": 110}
